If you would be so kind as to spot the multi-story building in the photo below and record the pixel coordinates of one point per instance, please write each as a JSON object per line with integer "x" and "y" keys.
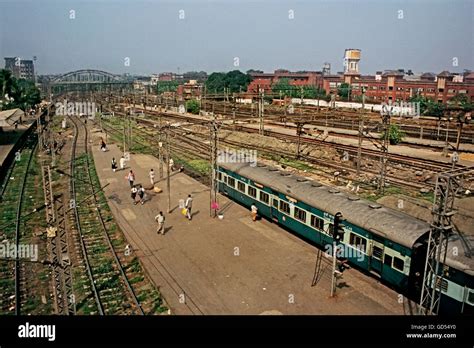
{"x": 393, "y": 85}
{"x": 21, "y": 69}
{"x": 266, "y": 80}
{"x": 169, "y": 76}
{"x": 386, "y": 86}
{"x": 190, "y": 90}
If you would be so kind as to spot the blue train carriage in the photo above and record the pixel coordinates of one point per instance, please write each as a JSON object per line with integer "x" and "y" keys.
{"x": 378, "y": 240}
{"x": 457, "y": 287}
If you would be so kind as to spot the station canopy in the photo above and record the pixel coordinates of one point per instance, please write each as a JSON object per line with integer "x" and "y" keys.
{"x": 9, "y": 117}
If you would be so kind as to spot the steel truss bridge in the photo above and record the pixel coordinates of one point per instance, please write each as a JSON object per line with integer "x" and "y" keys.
{"x": 88, "y": 80}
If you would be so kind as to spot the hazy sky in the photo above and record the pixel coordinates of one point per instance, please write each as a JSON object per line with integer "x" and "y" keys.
{"x": 430, "y": 36}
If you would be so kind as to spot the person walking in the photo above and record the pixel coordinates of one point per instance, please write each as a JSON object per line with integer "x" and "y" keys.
{"x": 103, "y": 147}
{"x": 131, "y": 177}
{"x": 151, "y": 175}
{"x": 253, "y": 212}
{"x": 141, "y": 194}
{"x": 161, "y": 223}
{"x": 122, "y": 163}
{"x": 189, "y": 206}
{"x": 134, "y": 195}
{"x": 114, "y": 164}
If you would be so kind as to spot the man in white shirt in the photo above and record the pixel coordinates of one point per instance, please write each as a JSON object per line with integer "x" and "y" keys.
{"x": 254, "y": 211}
{"x": 161, "y": 223}
{"x": 189, "y": 205}
{"x": 151, "y": 175}
{"x": 122, "y": 163}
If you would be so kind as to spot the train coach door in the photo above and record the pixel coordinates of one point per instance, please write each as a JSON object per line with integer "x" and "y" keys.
{"x": 275, "y": 203}
{"x": 376, "y": 257}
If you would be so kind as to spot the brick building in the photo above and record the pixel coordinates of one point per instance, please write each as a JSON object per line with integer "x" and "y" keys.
{"x": 190, "y": 90}
{"x": 265, "y": 80}
{"x": 394, "y": 86}
{"x": 386, "y": 86}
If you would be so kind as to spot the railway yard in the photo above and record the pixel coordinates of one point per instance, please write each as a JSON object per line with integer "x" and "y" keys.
{"x": 93, "y": 252}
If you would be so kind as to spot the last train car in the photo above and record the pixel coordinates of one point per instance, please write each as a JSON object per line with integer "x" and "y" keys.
{"x": 385, "y": 242}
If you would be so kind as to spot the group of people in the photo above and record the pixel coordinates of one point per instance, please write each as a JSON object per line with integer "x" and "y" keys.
{"x": 138, "y": 194}
{"x": 114, "y": 164}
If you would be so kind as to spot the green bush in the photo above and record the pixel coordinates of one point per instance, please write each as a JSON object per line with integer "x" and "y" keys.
{"x": 192, "y": 106}
{"x": 395, "y": 135}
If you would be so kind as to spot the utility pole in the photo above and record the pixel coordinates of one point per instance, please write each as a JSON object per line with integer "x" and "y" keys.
{"x": 448, "y": 185}
{"x": 260, "y": 112}
{"x": 386, "y": 114}
{"x": 299, "y": 131}
{"x": 233, "y": 111}
{"x": 361, "y": 131}
{"x": 168, "y": 155}
{"x": 214, "y": 166}
{"x": 160, "y": 148}
{"x": 124, "y": 134}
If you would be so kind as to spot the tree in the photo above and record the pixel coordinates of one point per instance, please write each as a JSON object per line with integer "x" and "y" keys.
{"x": 24, "y": 93}
{"x": 166, "y": 86}
{"x": 283, "y": 86}
{"x": 395, "y": 135}
{"x": 216, "y": 82}
{"x": 428, "y": 106}
{"x": 6, "y": 85}
{"x": 200, "y": 76}
{"x": 234, "y": 80}
{"x": 343, "y": 90}
{"x": 252, "y": 71}
{"x": 192, "y": 106}
{"x": 21, "y": 93}
{"x": 461, "y": 100}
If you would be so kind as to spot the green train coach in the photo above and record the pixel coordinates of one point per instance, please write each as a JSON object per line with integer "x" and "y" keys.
{"x": 384, "y": 242}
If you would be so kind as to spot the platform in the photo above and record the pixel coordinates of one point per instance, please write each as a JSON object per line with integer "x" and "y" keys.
{"x": 229, "y": 266}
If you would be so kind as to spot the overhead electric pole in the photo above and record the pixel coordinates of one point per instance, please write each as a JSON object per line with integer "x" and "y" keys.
{"x": 448, "y": 185}
{"x": 214, "y": 128}
{"x": 386, "y": 115}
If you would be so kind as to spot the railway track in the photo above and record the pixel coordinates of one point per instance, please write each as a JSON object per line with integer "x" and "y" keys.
{"x": 110, "y": 288}
{"x": 200, "y": 149}
{"x": 11, "y": 208}
{"x": 421, "y": 164}
{"x": 426, "y": 164}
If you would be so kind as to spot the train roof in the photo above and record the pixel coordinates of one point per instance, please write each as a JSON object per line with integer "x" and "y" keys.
{"x": 378, "y": 219}
{"x": 456, "y": 255}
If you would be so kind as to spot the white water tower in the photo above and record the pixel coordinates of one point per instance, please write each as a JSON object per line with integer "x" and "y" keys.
{"x": 351, "y": 61}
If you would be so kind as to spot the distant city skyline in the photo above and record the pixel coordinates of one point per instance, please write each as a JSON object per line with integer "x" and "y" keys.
{"x": 144, "y": 36}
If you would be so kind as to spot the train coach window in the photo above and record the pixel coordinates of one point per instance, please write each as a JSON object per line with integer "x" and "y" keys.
{"x": 442, "y": 283}
{"x": 398, "y": 263}
{"x": 275, "y": 203}
{"x": 284, "y": 207}
{"x": 219, "y": 176}
{"x": 388, "y": 260}
{"x": 241, "y": 186}
{"x": 317, "y": 222}
{"x": 231, "y": 182}
{"x": 358, "y": 242}
{"x": 377, "y": 252}
{"x": 264, "y": 197}
{"x": 252, "y": 192}
{"x": 470, "y": 297}
{"x": 300, "y": 214}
